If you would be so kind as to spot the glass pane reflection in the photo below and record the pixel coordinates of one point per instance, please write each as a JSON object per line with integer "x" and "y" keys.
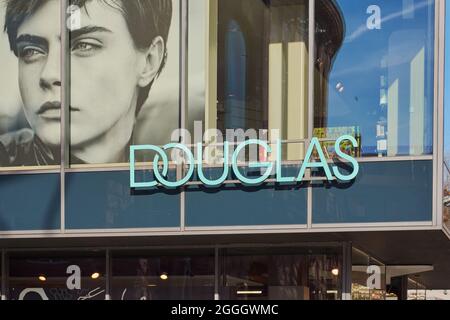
{"x": 368, "y": 277}
{"x": 57, "y": 278}
{"x": 380, "y": 83}
{"x": 164, "y": 276}
{"x": 281, "y": 274}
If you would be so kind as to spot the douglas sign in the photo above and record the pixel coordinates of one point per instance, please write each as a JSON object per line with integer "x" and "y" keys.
{"x": 160, "y": 164}
{"x": 268, "y": 168}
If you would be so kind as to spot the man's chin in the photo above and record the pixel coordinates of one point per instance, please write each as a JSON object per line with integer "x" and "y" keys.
{"x": 51, "y": 141}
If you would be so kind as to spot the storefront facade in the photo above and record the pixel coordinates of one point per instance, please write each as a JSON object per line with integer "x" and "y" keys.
{"x": 308, "y": 218}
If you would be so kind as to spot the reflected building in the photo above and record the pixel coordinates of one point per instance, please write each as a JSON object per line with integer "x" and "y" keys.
{"x": 263, "y": 80}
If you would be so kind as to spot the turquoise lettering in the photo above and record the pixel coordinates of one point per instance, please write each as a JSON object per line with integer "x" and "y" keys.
{"x": 315, "y": 144}
{"x": 280, "y": 178}
{"x": 160, "y": 152}
{"x": 219, "y": 181}
{"x": 190, "y": 162}
{"x": 355, "y": 164}
{"x": 267, "y": 165}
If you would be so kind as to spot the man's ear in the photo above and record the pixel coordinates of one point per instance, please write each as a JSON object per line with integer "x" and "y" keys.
{"x": 154, "y": 56}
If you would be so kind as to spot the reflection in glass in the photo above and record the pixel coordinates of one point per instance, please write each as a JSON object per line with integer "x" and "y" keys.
{"x": 368, "y": 277}
{"x": 416, "y": 290}
{"x": 380, "y": 87}
{"x": 164, "y": 276}
{"x": 56, "y": 278}
{"x": 261, "y": 71}
{"x": 281, "y": 274}
{"x": 446, "y": 162}
{"x": 446, "y": 195}
{"x": 261, "y": 76}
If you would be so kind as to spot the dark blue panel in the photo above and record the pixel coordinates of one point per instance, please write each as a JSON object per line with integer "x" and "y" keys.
{"x": 382, "y": 192}
{"x": 97, "y": 200}
{"x": 29, "y": 202}
{"x": 245, "y": 206}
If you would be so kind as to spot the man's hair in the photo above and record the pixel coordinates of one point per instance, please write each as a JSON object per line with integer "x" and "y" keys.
{"x": 146, "y": 20}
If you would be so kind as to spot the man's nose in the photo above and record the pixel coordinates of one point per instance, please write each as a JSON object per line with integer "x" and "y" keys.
{"x": 51, "y": 72}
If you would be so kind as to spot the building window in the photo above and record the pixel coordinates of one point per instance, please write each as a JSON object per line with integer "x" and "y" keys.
{"x": 62, "y": 276}
{"x": 281, "y": 274}
{"x": 378, "y": 86}
{"x": 163, "y": 275}
{"x": 368, "y": 277}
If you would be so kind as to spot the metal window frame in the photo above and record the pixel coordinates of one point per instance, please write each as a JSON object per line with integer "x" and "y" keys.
{"x": 438, "y": 120}
{"x": 3, "y": 276}
{"x": 440, "y": 115}
{"x": 108, "y": 254}
{"x": 436, "y": 157}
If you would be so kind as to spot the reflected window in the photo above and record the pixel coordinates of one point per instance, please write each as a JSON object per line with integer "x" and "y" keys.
{"x": 262, "y": 70}
{"x": 446, "y": 162}
{"x": 281, "y": 274}
{"x": 168, "y": 275}
{"x": 368, "y": 277}
{"x": 446, "y": 195}
{"x": 56, "y": 277}
{"x": 379, "y": 85}
{"x": 416, "y": 290}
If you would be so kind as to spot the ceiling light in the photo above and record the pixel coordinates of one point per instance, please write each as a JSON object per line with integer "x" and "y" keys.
{"x": 42, "y": 278}
{"x": 335, "y": 271}
{"x": 249, "y": 292}
{"x": 95, "y": 275}
{"x": 164, "y": 276}
{"x": 332, "y": 291}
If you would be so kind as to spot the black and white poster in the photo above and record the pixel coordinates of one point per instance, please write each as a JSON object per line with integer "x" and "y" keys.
{"x": 124, "y": 64}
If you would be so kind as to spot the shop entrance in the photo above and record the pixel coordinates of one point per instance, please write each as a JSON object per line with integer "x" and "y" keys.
{"x": 297, "y": 272}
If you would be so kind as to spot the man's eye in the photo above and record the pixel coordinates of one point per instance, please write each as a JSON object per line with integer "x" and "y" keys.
{"x": 84, "y": 48}
{"x": 29, "y": 54}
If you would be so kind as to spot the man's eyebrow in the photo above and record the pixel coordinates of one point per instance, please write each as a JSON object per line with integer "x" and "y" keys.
{"x": 86, "y": 30}
{"x": 32, "y": 39}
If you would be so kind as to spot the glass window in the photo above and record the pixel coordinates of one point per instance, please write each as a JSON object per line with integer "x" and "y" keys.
{"x": 446, "y": 162}
{"x": 360, "y": 263}
{"x": 281, "y": 274}
{"x": 378, "y": 87}
{"x": 2, "y": 279}
{"x": 387, "y": 191}
{"x": 65, "y": 276}
{"x": 446, "y": 195}
{"x": 378, "y": 289}
{"x": 368, "y": 277}
{"x": 30, "y": 85}
{"x": 416, "y": 290}
{"x": 124, "y": 78}
{"x": 257, "y": 69}
{"x": 163, "y": 275}
{"x": 197, "y": 40}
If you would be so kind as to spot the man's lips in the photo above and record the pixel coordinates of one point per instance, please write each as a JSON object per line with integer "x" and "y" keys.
{"x": 49, "y": 106}
{"x": 53, "y": 109}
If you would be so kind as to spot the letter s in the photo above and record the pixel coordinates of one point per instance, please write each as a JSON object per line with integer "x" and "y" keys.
{"x": 355, "y": 164}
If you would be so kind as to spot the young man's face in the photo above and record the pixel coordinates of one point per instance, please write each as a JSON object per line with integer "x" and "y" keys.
{"x": 105, "y": 68}
{"x": 38, "y": 46}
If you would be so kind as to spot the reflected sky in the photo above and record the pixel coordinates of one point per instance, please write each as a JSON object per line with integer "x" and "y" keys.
{"x": 371, "y": 61}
